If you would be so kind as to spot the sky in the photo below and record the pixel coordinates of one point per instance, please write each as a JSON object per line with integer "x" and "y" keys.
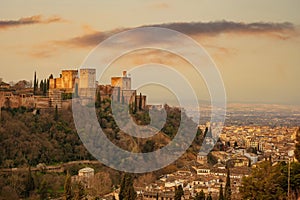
{"x": 254, "y": 44}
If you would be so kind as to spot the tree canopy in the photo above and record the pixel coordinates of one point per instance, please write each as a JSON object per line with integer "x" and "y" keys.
{"x": 271, "y": 182}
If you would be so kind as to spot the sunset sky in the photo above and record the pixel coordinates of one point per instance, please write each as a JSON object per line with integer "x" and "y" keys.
{"x": 255, "y": 44}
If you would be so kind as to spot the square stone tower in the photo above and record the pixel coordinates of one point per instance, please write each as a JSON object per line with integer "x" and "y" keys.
{"x": 87, "y": 78}
{"x": 87, "y": 83}
{"x": 123, "y": 82}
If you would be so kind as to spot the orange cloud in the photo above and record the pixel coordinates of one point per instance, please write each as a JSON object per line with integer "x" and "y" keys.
{"x": 36, "y": 19}
{"x": 88, "y": 29}
{"x": 277, "y": 30}
{"x": 43, "y": 53}
{"x": 160, "y": 6}
{"x": 197, "y": 30}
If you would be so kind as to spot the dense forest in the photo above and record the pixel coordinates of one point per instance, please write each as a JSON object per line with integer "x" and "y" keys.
{"x": 30, "y": 137}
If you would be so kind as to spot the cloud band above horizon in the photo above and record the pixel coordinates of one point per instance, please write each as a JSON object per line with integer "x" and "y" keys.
{"x": 281, "y": 30}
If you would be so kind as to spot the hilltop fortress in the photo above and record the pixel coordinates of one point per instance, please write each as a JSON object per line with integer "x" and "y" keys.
{"x": 58, "y": 92}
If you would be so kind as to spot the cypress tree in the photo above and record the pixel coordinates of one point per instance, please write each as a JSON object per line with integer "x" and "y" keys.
{"x": 43, "y": 190}
{"x": 178, "y": 193}
{"x": 127, "y": 191}
{"x": 48, "y": 84}
{"x": 227, "y": 194}
{"x": 209, "y": 197}
{"x": 118, "y": 97}
{"x": 140, "y": 102}
{"x": 135, "y": 104}
{"x": 7, "y": 102}
{"x": 37, "y": 86}
{"x": 221, "y": 193}
{"x": 98, "y": 99}
{"x": 76, "y": 95}
{"x": 68, "y": 187}
{"x": 123, "y": 100}
{"x": 122, "y": 189}
{"x": 29, "y": 183}
{"x": 41, "y": 85}
{"x": 56, "y": 113}
{"x": 200, "y": 195}
{"x": 297, "y": 145}
{"x": 34, "y": 83}
{"x": 133, "y": 107}
{"x": 45, "y": 87}
{"x": 80, "y": 193}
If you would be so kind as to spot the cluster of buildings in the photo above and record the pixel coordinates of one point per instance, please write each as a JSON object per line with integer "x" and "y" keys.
{"x": 71, "y": 83}
{"x": 261, "y": 141}
{"x": 196, "y": 177}
{"x": 246, "y": 146}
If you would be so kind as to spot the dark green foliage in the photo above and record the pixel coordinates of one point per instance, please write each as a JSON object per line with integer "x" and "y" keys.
{"x": 178, "y": 192}
{"x": 297, "y": 146}
{"x": 209, "y": 197}
{"x": 66, "y": 96}
{"x": 43, "y": 190}
{"x": 212, "y": 160}
{"x": 200, "y": 195}
{"x": 135, "y": 104}
{"x": 29, "y": 186}
{"x": 7, "y": 102}
{"x": 118, "y": 97}
{"x": 235, "y": 144}
{"x": 199, "y": 132}
{"x": 76, "y": 94}
{"x": 33, "y": 139}
{"x": 127, "y": 191}
{"x": 48, "y": 185}
{"x": 271, "y": 182}
{"x": 251, "y": 150}
{"x": 45, "y": 85}
{"x": 221, "y": 193}
{"x": 68, "y": 195}
{"x": 148, "y": 147}
{"x": 48, "y": 84}
{"x": 227, "y": 193}
{"x": 34, "y": 84}
{"x": 41, "y": 85}
{"x": 173, "y": 121}
{"x": 56, "y": 113}
{"x": 140, "y": 102}
{"x": 122, "y": 100}
{"x": 98, "y": 100}
{"x": 208, "y": 132}
{"x": 228, "y": 143}
{"x": 132, "y": 109}
{"x": 80, "y": 193}
{"x": 199, "y": 137}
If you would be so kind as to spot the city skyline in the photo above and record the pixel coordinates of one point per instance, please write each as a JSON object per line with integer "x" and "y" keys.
{"x": 254, "y": 49}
